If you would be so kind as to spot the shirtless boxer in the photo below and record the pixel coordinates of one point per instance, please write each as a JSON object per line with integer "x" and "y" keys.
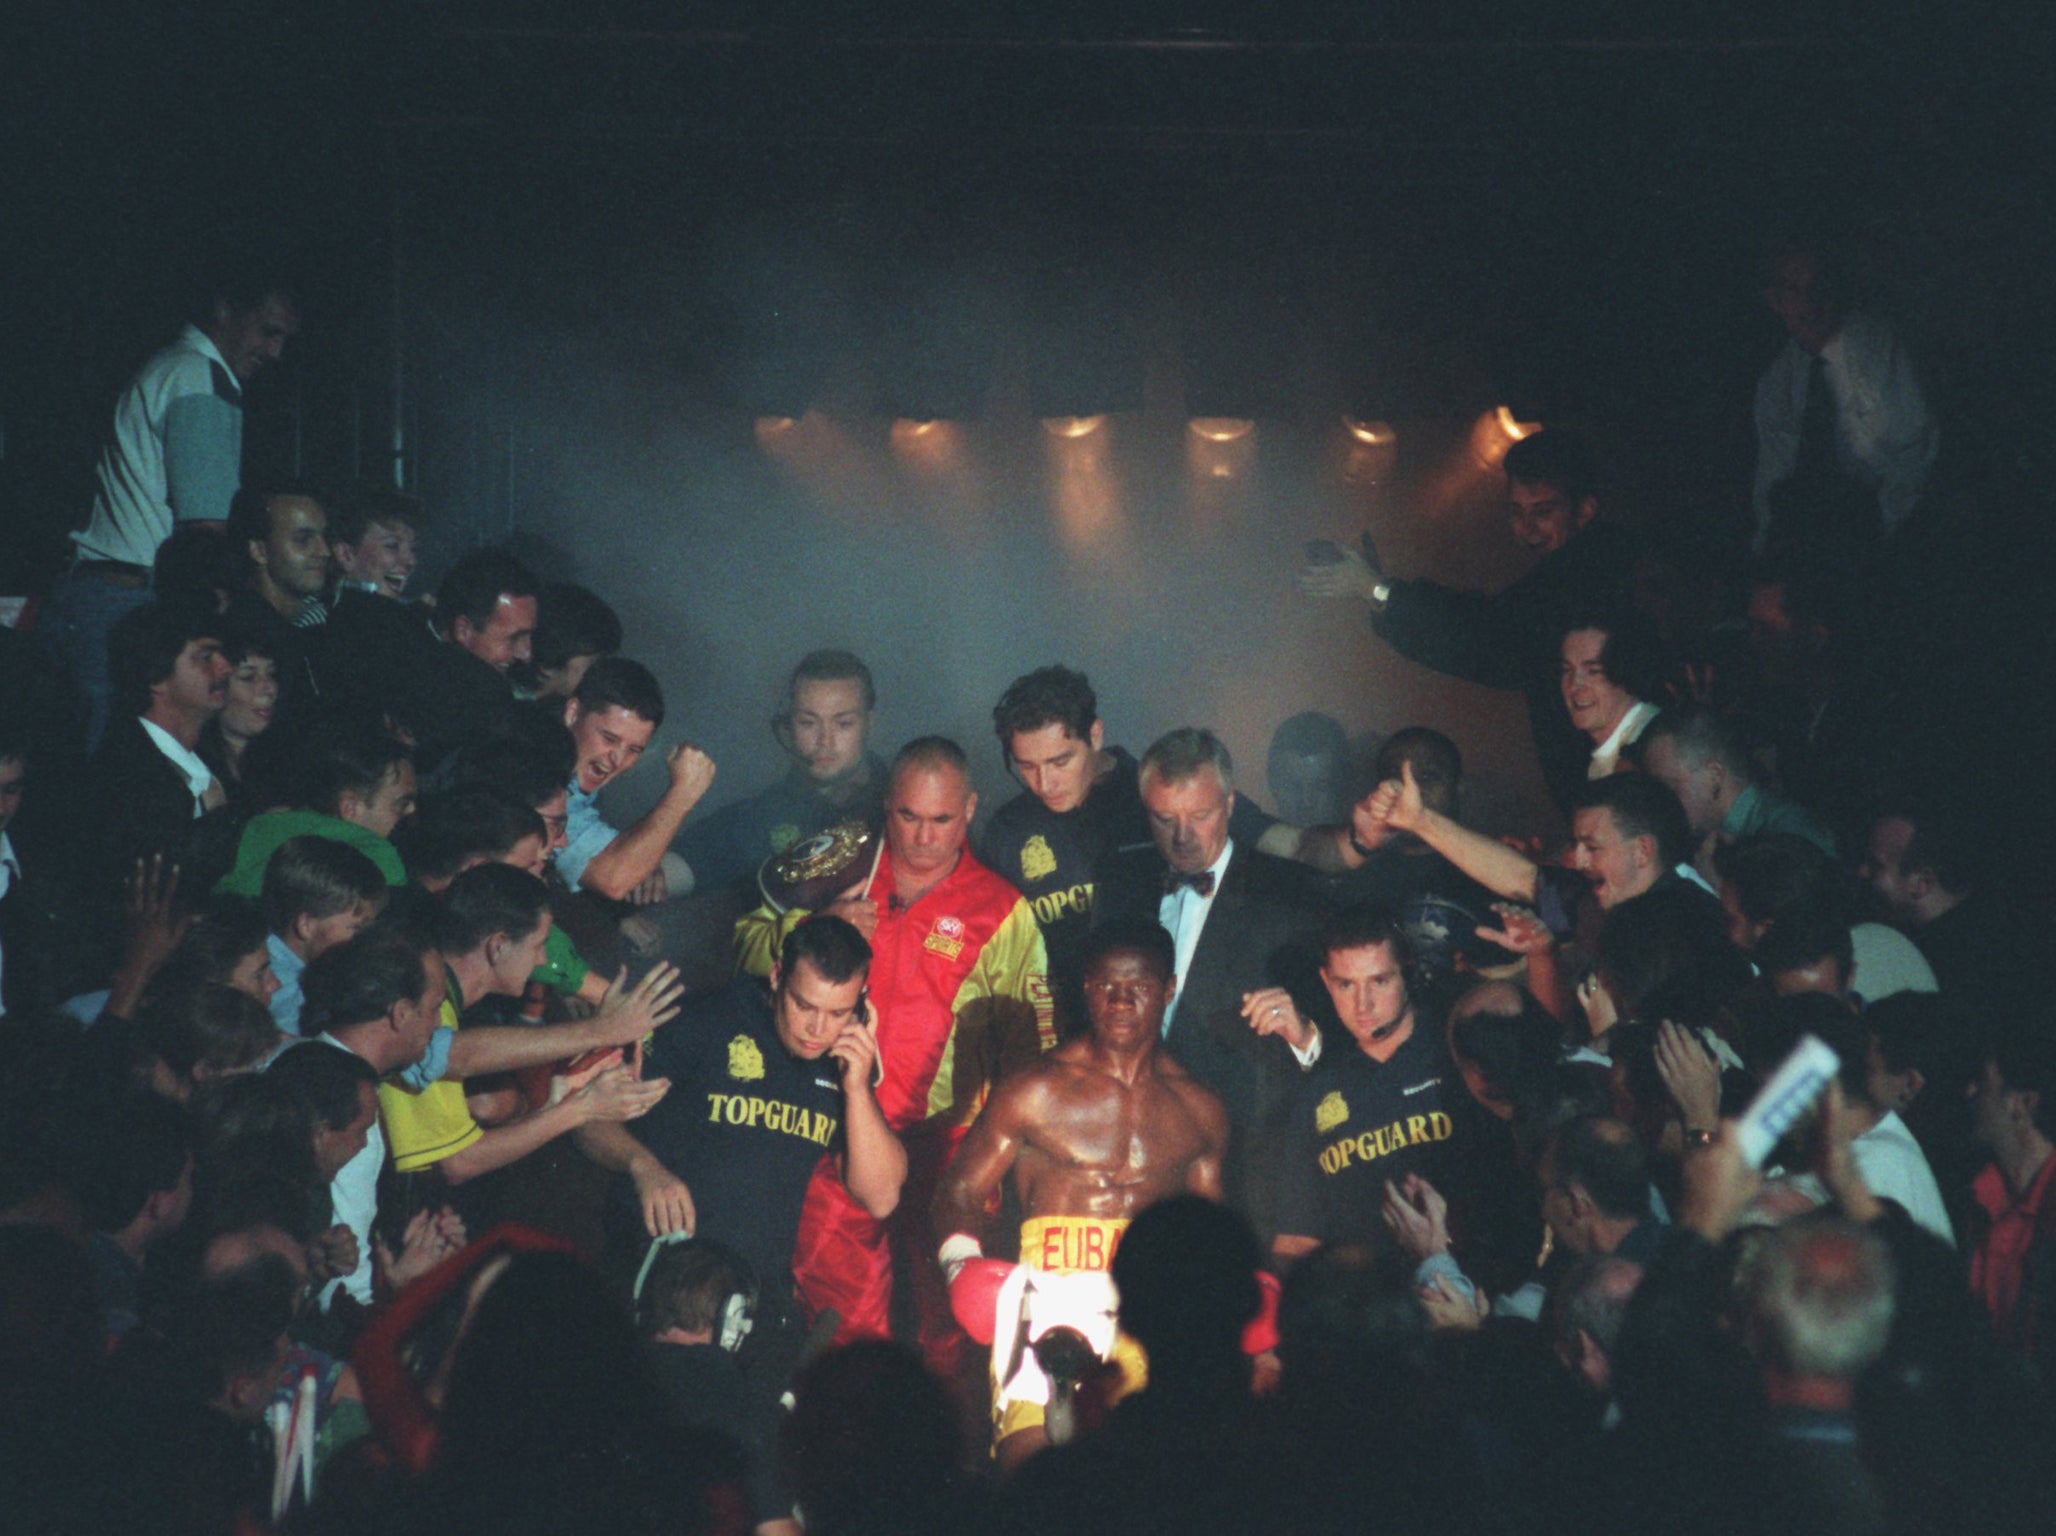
{"x": 1096, "y": 1131}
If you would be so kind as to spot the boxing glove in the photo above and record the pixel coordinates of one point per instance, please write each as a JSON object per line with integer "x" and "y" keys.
{"x": 1260, "y": 1334}
{"x": 974, "y": 1296}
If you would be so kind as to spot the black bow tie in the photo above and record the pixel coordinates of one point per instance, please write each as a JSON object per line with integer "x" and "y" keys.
{"x": 1202, "y": 883}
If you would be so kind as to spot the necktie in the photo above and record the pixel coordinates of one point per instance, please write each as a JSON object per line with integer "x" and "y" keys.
{"x": 1816, "y": 426}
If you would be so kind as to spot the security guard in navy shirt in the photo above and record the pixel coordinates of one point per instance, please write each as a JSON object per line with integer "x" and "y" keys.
{"x": 765, "y": 1083}
{"x": 1377, "y": 1105}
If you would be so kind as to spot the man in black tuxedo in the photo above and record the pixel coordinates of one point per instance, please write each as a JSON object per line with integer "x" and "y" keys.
{"x": 1240, "y": 921}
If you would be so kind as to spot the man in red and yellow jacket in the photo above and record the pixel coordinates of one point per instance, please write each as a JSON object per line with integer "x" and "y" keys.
{"x": 960, "y": 992}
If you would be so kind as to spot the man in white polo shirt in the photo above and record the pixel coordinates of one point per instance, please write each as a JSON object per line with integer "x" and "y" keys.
{"x": 379, "y": 997}
{"x": 173, "y": 455}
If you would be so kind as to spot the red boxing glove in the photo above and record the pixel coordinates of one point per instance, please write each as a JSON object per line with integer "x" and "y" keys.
{"x": 974, "y": 1296}
{"x": 1261, "y": 1333}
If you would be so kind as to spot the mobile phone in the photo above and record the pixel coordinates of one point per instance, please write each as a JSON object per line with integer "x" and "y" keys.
{"x": 1788, "y": 1094}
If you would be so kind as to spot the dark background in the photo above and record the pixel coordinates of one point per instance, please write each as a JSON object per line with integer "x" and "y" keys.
{"x": 601, "y": 239}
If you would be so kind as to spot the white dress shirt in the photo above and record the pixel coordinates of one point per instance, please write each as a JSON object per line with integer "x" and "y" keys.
{"x": 354, "y": 1194}
{"x": 197, "y": 774}
{"x": 10, "y": 871}
{"x": 1884, "y": 433}
{"x": 1606, "y": 757}
{"x": 1183, "y": 913}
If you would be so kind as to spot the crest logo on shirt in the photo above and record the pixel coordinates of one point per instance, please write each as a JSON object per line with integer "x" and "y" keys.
{"x": 1330, "y": 1112}
{"x": 1037, "y": 862}
{"x": 783, "y": 836}
{"x": 745, "y": 1061}
{"x": 948, "y": 938}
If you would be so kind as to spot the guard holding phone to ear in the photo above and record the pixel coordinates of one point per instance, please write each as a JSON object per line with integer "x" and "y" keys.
{"x": 768, "y": 1083}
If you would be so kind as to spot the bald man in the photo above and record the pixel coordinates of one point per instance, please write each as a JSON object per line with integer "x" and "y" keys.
{"x": 960, "y": 992}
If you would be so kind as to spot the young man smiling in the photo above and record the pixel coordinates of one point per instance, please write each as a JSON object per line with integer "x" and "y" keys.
{"x": 1507, "y": 639}
{"x": 612, "y": 716}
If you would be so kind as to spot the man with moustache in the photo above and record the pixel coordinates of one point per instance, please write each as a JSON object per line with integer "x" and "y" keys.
{"x": 960, "y": 989}
{"x": 147, "y": 781}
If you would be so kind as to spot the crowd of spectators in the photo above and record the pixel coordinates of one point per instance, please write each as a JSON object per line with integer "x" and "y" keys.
{"x": 389, "y": 1140}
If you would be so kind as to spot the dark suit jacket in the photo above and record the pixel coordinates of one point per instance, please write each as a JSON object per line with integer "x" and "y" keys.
{"x": 1508, "y": 639}
{"x": 138, "y": 805}
{"x": 141, "y": 804}
{"x": 380, "y": 655}
{"x": 30, "y": 938}
{"x": 1260, "y": 931}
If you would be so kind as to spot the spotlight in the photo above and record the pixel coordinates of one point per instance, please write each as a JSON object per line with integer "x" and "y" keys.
{"x": 1373, "y": 448}
{"x": 1495, "y": 432}
{"x": 1220, "y": 447}
{"x": 1072, "y": 426}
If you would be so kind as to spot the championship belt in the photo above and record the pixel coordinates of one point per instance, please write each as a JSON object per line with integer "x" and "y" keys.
{"x": 816, "y": 870}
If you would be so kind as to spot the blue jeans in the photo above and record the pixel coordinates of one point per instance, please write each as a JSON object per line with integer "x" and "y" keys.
{"x": 74, "y": 624}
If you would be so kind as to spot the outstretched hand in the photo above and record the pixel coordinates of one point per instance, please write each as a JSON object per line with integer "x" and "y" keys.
{"x": 1690, "y": 1075}
{"x": 154, "y": 924}
{"x": 1348, "y": 575}
{"x": 1418, "y": 1216}
{"x": 1520, "y": 931}
{"x": 618, "y": 1094}
{"x": 628, "y": 1013}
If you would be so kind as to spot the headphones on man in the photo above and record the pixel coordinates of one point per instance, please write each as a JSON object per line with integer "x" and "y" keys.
{"x": 736, "y": 1313}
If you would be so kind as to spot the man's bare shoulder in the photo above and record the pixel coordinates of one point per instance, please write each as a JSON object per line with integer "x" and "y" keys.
{"x": 1031, "y": 1085}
